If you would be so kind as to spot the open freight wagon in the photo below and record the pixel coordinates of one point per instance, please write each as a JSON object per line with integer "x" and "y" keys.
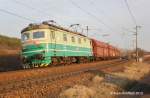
{"x": 103, "y": 51}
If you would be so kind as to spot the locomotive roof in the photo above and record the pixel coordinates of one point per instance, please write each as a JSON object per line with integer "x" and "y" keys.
{"x": 48, "y": 26}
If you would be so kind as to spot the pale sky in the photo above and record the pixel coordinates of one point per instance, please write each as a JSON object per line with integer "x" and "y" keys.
{"x": 102, "y": 16}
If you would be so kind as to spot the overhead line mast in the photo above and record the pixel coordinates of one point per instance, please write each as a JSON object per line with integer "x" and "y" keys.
{"x": 136, "y": 30}
{"x": 136, "y": 35}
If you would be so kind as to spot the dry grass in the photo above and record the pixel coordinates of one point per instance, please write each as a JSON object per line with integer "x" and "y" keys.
{"x": 97, "y": 89}
{"x": 97, "y": 79}
{"x": 78, "y": 91}
{"x": 46, "y": 88}
{"x": 4, "y": 52}
{"x": 103, "y": 87}
{"x": 135, "y": 71}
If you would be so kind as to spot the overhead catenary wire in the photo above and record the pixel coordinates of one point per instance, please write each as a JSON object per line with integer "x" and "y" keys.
{"x": 101, "y": 11}
{"x": 43, "y": 12}
{"x": 90, "y": 14}
{"x": 92, "y": 2}
{"x": 39, "y": 11}
{"x": 130, "y": 12}
{"x": 17, "y": 15}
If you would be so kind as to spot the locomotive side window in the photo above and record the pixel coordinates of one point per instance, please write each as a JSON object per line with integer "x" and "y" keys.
{"x": 73, "y": 39}
{"x": 90, "y": 42}
{"x": 79, "y": 40}
{"x": 37, "y": 35}
{"x": 65, "y": 37}
{"x": 25, "y": 36}
{"x": 84, "y": 39}
{"x": 52, "y": 34}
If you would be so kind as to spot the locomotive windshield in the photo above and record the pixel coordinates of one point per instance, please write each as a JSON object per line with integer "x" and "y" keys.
{"x": 37, "y": 35}
{"x": 25, "y": 36}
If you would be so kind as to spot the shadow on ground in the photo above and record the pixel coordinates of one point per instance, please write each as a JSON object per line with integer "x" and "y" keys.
{"x": 10, "y": 62}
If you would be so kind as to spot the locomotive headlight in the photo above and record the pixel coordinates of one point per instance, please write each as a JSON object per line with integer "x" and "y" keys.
{"x": 43, "y": 51}
{"x": 24, "y": 58}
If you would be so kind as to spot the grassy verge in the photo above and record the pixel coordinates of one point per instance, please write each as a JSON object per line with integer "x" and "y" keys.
{"x": 109, "y": 85}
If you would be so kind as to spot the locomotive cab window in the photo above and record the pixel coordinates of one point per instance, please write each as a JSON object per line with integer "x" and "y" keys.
{"x": 25, "y": 36}
{"x": 37, "y": 35}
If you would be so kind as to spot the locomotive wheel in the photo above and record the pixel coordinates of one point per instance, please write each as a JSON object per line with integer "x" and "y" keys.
{"x": 68, "y": 61}
{"x": 65, "y": 59}
{"x": 74, "y": 60}
{"x": 54, "y": 61}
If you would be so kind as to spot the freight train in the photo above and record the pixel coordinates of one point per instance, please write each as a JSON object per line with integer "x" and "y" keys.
{"x": 47, "y": 44}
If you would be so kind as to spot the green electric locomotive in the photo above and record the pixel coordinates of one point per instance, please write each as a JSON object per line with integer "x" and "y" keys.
{"x": 47, "y": 44}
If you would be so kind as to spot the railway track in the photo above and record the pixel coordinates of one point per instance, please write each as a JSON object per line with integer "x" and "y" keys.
{"x": 31, "y": 73}
{"x": 28, "y": 83}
